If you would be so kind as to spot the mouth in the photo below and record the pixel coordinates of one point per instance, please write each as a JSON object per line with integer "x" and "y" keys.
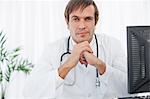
{"x": 82, "y": 34}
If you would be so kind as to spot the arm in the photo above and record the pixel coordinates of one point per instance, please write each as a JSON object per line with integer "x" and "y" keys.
{"x": 74, "y": 58}
{"x": 46, "y": 78}
{"x": 112, "y": 70}
{"x": 115, "y": 76}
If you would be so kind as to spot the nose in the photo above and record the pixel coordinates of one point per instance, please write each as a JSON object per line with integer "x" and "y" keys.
{"x": 82, "y": 25}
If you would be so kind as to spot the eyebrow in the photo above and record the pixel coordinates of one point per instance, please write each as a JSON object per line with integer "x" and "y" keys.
{"x": 74, "y": 16}
{"x": 90, "y": 17}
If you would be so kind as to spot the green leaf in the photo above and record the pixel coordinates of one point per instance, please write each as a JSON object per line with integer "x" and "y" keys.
{"x": 3, "y": 40}
{"x": 1, "y": 75}
{"x": 7, "y": 74}
{"x": 3, "y": 43}
{"x": 1, "y": 33}
{"x": 17, "y": 49}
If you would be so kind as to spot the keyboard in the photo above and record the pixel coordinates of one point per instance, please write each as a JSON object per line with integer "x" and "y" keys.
{"x": 136, "y": 97}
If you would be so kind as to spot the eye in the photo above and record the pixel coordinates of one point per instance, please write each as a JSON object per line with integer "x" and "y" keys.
{"x": 88, "y": 18}
{"x": 76, "y": 19}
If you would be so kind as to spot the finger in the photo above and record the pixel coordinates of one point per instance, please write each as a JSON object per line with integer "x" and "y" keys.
{"x": 88, "y": 49}
{"x": 82, "y": 54}
{"x": 81, "y": 47}
{"x": 87, "y": 54}
{"x": 83, "y": 62}
{"x": 82, "y": 58}
{"x": 85, "y": 44}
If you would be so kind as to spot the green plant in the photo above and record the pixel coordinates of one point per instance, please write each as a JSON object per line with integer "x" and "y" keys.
{"x": 2, "y": 54}
{"x": 1, "y": 75}
{"x": 12, "y": 61}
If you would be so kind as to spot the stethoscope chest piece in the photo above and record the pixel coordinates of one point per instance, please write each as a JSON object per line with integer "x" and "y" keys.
{"x": 97, "y": 82}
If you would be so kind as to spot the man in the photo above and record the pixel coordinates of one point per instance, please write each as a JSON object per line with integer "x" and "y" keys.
{"x": 84, "y": 65}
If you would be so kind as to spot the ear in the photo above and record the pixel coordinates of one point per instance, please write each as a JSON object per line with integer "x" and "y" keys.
{"x": 67, "y": 23}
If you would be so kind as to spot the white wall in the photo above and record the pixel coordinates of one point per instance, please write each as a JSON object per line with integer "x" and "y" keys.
{"x": 117, "y": 14}
{"x": 32, "y": 24}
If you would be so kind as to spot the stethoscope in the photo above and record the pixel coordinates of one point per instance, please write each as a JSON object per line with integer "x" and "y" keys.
{"x": 97, "y": 83}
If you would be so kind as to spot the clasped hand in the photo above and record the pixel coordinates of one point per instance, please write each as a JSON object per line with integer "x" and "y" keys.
{"x": 82, "y": 52}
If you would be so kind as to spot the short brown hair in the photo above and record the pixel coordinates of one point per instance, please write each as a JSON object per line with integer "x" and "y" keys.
{"x": 76, "y": 4}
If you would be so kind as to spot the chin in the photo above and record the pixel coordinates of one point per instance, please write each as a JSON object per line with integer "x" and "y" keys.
{"x": 82, "y": 40}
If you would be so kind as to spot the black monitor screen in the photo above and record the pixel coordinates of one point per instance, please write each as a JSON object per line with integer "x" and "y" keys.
{"x": 138, "y": 52}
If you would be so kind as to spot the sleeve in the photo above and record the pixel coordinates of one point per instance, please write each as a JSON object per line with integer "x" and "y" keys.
{"x": 43, "y": 80}
{"x": 115, "y": 76}
{"x": 59, "y": 80}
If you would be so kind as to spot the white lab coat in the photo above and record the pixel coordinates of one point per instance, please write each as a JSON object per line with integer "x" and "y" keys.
{"x": 44, "y": 82}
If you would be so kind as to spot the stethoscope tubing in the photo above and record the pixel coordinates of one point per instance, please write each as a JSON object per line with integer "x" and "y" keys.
{"x": 97, "y": 48}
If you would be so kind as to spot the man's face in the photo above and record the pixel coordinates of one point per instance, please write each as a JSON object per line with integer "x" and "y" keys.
{"x": 82, "y": 24}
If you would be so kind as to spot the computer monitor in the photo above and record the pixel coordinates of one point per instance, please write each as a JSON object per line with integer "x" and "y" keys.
{"x": 138, "y": 52}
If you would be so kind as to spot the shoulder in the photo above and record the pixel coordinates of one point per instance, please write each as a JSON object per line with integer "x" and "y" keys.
{"x": 56, "y": 46}
{"x": 59, "y": 43}
{"x": 52, "y": 51}
{"x": 110, "y": 44}
{"x": 106, "y": 39}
